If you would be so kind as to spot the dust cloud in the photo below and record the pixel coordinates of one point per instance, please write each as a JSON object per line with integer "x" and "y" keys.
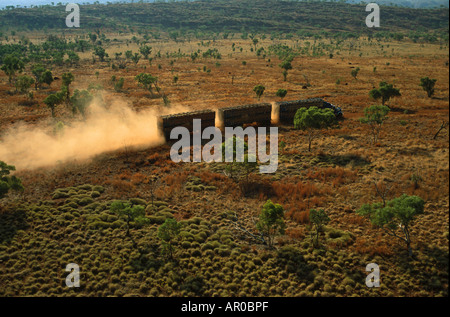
{"x": 104, "y": 129}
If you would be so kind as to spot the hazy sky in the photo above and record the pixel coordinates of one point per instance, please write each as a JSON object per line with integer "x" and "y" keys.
{"x": 414, "y": 3}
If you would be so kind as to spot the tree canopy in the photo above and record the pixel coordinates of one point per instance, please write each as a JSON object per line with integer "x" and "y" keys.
{"x": 271, "y": 221}
{"x": 375, "y": 116}
{"x": 8, "y": 182}
{"x": 395, "y": 216}
{"x": 427, "y": 84}
{"x": 312, "y": 119}
{"x": 385, "y": 91}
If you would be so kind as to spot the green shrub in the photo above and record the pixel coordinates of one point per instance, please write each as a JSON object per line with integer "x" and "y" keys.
{"x": 157, "y": 219}
{"x": 98, "y": 188}
{"x": 185, "y": 244}
{"x": 138, "y": 201}
{"x": 60, "y": 194}
{"x": 86, "y": 187}
{"x": 95, "y": 194}
{"x": 84, "y": 200}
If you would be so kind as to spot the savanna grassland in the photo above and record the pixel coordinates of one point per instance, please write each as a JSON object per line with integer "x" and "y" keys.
{"x": 64, "y": 215}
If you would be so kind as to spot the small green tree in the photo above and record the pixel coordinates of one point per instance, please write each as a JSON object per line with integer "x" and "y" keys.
{"x": 259, "y": 90}
{"x": 37, "y": 72}
{"x": 131, "y": 213}
{"x": 146, "y": 81}
{"x": 245, "y": 166}
{"x": 53, "y": 100}
{"x": 12, "y": 65}
{"x": 427, "y": 84}
{"x": 169, "y": 232}
{"x": 145, "y": 50}
{"x": 281, "y": 93}
{"x": 135, "y": 58}
{"x": 286, "y": 66}
{"x": 319, "y": 218}
{"x": 100, "y": 53}
{"x": 7, "y": 182}
{"x": 72, "y": 58}
{"x": 313, "y": 119}
{"x": 67, "y": 79}
{"x": 23, "y": 83}
{"x": 375, "y": 116}
{"x": 271, "y": 221}
{"x": 80, "y": 101}
{"x": 355, "y": 72}
{"x": 118, "y": 86}
{"x": 249, "y": 165}
{"x": 396, "y": 217}
{"x": 92, "y": 37}
{"x": 255, "y": 42}
{"x": 128, "y": 54}
{"x": 46, "y": 77}
{"x": 385, "y": 92}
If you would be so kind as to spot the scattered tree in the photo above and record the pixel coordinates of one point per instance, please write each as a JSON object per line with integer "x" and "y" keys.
{"x": 7, "y": 182}
{"x": 281, "y": 93}
{"x": 37, "y": 72}
{"x": 101, "y": 53}
{"x": 271, "y": 221}
{"x": 242, "y": 167}
{"x": 135, "y": 58}
{"x": 53, "y": 100}
{"x": 259, "y": 90}
{"x": 23, "y": 83}
{"x": 80, "y": 101}
{"x": 12, "y": 65}
{"x": 118, "y": 86}
{"x": 375, "y": 116}
{"x": 313, "y": 119}
{"x": 319, "y": 218}
{"x": 395, "y": 217}
{"x": 168, "y": 232}
{"x": 385, "y": 92}
{"x": 146, "y": 81}
{"x": 67, "y": 79}
{"x": 355, "y": 72}
{"x": 145, "y": 51}
{"x": 46, "y": 77}
{"x": 131, "y": 213}
{"x": 255, "y": 42}
{"x": 427, "y": 84}
{"x": 286, "y": 65}
{"x": 92, "y": 37}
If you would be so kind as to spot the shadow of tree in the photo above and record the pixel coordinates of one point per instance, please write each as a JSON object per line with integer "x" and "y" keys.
{"x": 148, "y": 259}
{"x": 343, "y": 160}
{"x": 292, "y": 261}
{"x": 11, "y": 220}
{"x": 402, "y": 110}
{"x": 424, "y": 265}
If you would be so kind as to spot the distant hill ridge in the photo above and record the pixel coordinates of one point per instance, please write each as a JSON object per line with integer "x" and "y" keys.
{"x": 402, "y": 3}
{"x": 232, "y": 16}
